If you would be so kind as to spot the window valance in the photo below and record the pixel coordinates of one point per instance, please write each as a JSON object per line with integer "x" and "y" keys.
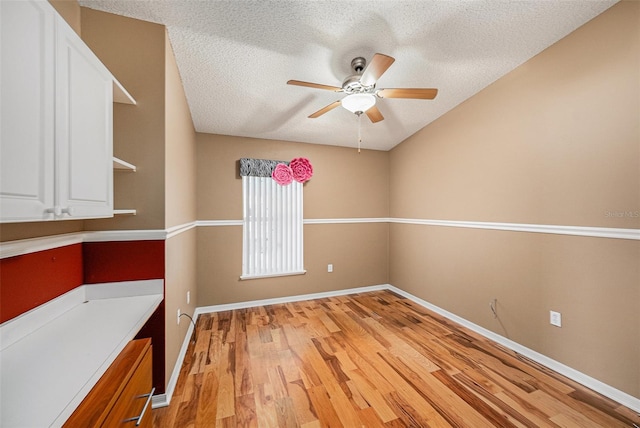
{"x": 250, "y": 167}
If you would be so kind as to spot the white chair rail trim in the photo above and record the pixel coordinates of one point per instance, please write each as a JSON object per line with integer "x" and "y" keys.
{"x": 32, "y": 245}
{"x": 594, "y": 232}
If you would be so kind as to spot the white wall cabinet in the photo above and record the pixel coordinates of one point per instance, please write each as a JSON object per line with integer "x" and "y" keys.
{"x": 56, "y": 134}
{"x": 84, "y": 129}
{"x": 27, "y": 75}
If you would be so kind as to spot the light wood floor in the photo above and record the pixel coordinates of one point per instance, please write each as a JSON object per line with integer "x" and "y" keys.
{"x": 368, "y": 360}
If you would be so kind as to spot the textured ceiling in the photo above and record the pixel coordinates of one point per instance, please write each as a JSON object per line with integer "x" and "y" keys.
{"x": 235, "y": 57}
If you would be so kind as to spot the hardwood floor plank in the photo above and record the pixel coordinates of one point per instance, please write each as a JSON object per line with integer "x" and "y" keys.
{"x": 560, "y": 412}
{"x": 346, "y": 413}
{"x": 369, "y": 418}
{"x": 285, "y": 412}
{"x": 444, "y": 401}
{"x": 327, "y": 414}
{"x": 498, "y": 411}
{"x": 565, "y": 420}
{"x": 226, "y": 397}
{"x": 406, "y": 393}
{"x": 372, "y": 396}
{"x": 368, "y": 360}
{"x": 265, "y": 410}
{"x": 494, "y": 417}
{"x": 400, "y": 348}
{"x": 186, "y": 414}
{"x": 411, "y": 416}
{"x": 228, "y": 422}
{"x": 534, "y": 417}
{"x": 302, "y": 405}
{"x": 208, "y": 395}
{"x": 243, "y": 383}
{"x": 590, "y": 402}
{"x": 555, "y": 400}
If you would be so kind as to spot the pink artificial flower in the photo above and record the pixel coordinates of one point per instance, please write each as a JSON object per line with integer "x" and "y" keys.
{"x": 282, "y": 174}
{"x": 302, "y": 169}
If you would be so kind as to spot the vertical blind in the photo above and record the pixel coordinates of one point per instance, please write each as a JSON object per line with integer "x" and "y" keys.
{"x": 272, "y": 228}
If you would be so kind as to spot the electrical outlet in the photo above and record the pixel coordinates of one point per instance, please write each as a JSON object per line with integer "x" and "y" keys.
{"x": 188, "y": 297}
{"x": 178, "y": 318}
{"x": 555, "y": 318}
{"x": 329, "y": 268}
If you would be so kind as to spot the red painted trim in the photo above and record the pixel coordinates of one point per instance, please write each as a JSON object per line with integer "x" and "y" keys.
{"x": 123, "y": 261}
{"x": 30, "y": 280}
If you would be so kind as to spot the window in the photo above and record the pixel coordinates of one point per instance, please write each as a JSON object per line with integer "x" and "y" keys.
{"x": 272, "y": 243}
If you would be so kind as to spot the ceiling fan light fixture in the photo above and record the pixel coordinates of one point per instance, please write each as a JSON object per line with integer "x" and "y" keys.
{"x": 358, "y": 102}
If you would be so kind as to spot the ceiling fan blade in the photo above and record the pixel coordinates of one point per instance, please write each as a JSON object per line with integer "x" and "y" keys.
{"x": 314, "y": 85}
{"x": 374, "y": 114}
{"x": 415, "y": 93}
{"x": 325, "y": 109}
{"x": 376, "y": 68}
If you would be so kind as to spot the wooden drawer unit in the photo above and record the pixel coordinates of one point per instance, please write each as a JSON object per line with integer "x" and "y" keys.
{"x": 122, "y": 396}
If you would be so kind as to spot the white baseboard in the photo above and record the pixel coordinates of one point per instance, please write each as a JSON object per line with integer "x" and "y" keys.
{"x": 583, "y": 379}
{"x": 287, "y": 299}
{"x": 160, "y": 400}
{"x": 163, "y": 400}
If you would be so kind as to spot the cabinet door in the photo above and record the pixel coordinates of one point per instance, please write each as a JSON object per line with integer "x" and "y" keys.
{"x": 27, "y": 110}
{"x": 84, "y": 129}
{"x": 129, "y": 409}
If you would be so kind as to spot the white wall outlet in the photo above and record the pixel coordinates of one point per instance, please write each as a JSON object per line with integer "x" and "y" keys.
{"x": 329, "y": 268}
{"x": 178, "y": 318}
{"x": 188, "y": 297}
{"x": 555, "y": 318}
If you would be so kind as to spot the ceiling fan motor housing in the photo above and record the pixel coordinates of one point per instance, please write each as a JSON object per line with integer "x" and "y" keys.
{"x": 358, "y": 64}
{"x": 352, "y": 84}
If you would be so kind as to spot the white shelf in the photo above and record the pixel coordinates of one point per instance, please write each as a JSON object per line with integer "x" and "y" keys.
{"x": 120, "y": 94}
{"x": 120, "y": 165}
{"x": 124, "y": 212}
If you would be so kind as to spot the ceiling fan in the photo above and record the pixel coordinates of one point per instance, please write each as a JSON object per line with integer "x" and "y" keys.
{"x": 361, "y": 89}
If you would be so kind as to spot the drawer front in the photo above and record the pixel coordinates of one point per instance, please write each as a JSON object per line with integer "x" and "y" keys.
{"x": 133, "y": 399}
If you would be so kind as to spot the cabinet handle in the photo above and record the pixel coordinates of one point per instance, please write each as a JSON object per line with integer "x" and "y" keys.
{"x": 58, "y": 211}
{"x": 54, "y": 210}
{"x": 68, "y": 210}
{"x": 144, "y": 409}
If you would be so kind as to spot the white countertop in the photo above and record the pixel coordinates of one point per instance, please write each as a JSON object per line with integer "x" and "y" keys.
{"x": 47, "y": 370}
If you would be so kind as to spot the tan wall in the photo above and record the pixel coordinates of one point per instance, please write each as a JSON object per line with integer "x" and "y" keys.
{"x": 180, "y": 164}
{"x": 357, "y": 251}
{"x": 557, "y": 141}
{"x": 70, "y": 11}
{"x": 180, "y": 208}
{"x": 134, "y": 51}
{"x": 15, "y": 231}
{"x": 344, "y": 185}
{"x": 554, "y": 142}
{"x": 180, "y": 276}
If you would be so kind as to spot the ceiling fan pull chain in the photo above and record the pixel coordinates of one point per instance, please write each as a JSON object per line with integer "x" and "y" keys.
{"x": 359, "y": 130}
